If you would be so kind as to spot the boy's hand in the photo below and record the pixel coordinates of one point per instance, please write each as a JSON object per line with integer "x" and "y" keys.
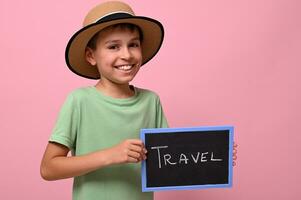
{"x": 234, "y": 154}
{"x": 128, "y": 151}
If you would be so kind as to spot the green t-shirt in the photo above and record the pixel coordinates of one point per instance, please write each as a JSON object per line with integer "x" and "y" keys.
{"x": 90, "y": 121}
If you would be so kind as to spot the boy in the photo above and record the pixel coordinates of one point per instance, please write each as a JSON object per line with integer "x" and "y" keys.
{"x": 100, "y": 124}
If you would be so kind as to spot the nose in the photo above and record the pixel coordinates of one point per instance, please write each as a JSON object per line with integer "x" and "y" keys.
{"x": 125, "y": 53}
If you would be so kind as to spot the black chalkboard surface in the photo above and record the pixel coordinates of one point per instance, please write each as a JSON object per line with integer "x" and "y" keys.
{"x": 187, "y": 158}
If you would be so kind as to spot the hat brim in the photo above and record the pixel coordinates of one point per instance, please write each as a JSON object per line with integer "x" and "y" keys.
{"x": 153, "y": 34}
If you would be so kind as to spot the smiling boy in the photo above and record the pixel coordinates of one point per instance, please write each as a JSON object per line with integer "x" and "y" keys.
{"x": 118, "y": 57}
{"x": 100, "y": 124}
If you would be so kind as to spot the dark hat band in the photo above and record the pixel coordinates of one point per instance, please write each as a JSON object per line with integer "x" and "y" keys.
{"x": 114, "y": 16}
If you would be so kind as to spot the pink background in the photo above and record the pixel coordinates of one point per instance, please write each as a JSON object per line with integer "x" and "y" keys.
{"x": 223, "y": 62}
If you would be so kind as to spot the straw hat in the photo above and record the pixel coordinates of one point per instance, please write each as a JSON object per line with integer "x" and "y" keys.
{"x": 102, "y": 16}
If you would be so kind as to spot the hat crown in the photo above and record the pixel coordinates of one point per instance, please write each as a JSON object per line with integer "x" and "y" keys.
{"x": 105, "y": 9}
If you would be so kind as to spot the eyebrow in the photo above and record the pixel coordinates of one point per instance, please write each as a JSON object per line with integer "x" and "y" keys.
{"x": 113, "y": 41}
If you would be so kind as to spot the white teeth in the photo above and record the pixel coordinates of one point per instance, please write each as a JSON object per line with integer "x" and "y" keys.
{"x": 125, "y": 67}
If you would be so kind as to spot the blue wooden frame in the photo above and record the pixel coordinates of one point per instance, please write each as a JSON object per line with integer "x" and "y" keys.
{"x": 189, "y": 129}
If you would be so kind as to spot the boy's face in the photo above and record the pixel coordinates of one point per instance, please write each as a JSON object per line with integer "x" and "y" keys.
{"x": 117, "y": 55}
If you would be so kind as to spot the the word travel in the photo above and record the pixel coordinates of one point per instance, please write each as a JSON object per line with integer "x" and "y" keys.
{"x": 183, "y": 158}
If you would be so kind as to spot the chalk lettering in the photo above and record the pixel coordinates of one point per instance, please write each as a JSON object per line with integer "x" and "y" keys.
{"x": 201, "y": 157}
{"x": 183, "y": 158}
{"x": 167, "y": 157}
{"x": 158, "y": 150}
{"x": 215, "y": 159}
{"x": 195, "y": 159}
{"x": 204, "y": 157}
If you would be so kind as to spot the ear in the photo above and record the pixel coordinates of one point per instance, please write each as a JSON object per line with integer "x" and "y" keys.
{"x": 89, "y": 54}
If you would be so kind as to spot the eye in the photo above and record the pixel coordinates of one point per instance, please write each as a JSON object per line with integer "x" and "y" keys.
{"x": 113, "y": 47}
{"x": 134, "y": 44}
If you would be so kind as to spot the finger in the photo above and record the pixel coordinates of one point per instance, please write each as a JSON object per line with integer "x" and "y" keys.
{"x": 137, "y": 159}
{"x": 136, "y": 148}
{"x": 135, "y": 155}
{"x": 233, "y": 163}
{"x": 136, "y": 142}
{"x": 234, "y": 151}
{"x": 133, "y": 160}
{"x": 144, "y": 149}
{"x": 139, "y": 150}
{"x": 142, "y": 156}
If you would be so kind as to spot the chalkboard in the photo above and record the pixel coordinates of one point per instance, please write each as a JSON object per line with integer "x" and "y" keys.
{"x": 187, "y": 158}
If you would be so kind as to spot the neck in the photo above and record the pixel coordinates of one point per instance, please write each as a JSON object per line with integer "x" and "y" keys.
{"x": 116, "y": 91}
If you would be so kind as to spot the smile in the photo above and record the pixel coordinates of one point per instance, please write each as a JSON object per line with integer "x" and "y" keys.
{"x": 125, "y": 67}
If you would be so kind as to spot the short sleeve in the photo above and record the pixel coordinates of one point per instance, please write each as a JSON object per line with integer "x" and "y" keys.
{"x": 65, "y": 129}
{"x": 161, "y": 119}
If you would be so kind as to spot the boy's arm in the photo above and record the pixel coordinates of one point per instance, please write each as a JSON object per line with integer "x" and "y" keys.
{"x": 57, "y": 165}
